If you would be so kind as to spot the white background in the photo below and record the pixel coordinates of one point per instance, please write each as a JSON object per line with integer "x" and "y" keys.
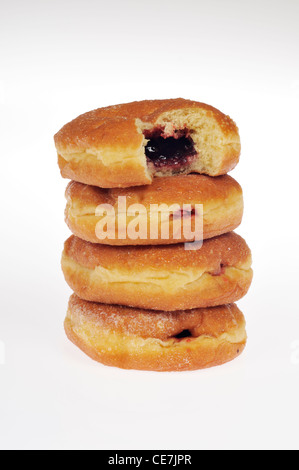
{"x": 61, "y": 58}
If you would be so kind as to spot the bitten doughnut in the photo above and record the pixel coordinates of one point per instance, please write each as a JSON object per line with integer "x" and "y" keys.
{"x": 159, "y": 278}
{"x": 157, "y": 341}
{"x": 129, "y": 144}
{"x": 221, "y": 198}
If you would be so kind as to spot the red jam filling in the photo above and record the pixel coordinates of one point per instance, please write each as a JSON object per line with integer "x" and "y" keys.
{"x": 174, "y": 152}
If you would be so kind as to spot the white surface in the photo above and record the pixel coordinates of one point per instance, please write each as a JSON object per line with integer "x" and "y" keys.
{"x": 59, "y": 59}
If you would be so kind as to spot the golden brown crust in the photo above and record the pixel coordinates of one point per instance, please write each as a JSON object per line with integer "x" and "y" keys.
{"x": 117, "y": 123}
{"x": 158, "y": 324}
{"x": 144, "y": 340}
{"x": 229, "y": 250}
{"x": 221, "y": 197}
{"x": 160, "y": 278}
{"x": 105, "y": 147}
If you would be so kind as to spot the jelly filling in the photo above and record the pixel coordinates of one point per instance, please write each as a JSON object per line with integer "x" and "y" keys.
{"x": 172, "y": 152}
{"x": 184, "y": 334}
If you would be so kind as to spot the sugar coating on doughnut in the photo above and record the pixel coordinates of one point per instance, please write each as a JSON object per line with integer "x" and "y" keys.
{"x": 160, "y": 278}
{"x": 221, "y": 199}
{"x": 128, "y": 144}
{"x": 141, "y": 339}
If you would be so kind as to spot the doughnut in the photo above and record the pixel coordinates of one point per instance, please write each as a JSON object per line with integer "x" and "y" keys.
{"x": 156, "y": 341}
{"x": 166, "y": 277}
{"x": 221, "y": 198}
{"x": 130, "y": 144}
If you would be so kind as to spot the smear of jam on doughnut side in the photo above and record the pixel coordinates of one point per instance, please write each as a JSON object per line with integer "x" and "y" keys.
{"x": 183, "y": 213}
{"x": 220, "y": 271}
{"x": 171, "y": 152}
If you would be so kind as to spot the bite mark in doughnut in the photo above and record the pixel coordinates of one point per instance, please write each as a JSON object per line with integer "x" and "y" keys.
{"x": 131, "y": 144}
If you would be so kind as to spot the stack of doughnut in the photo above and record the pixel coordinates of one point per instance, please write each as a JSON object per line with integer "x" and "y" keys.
{"x": 149, "y": 303}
